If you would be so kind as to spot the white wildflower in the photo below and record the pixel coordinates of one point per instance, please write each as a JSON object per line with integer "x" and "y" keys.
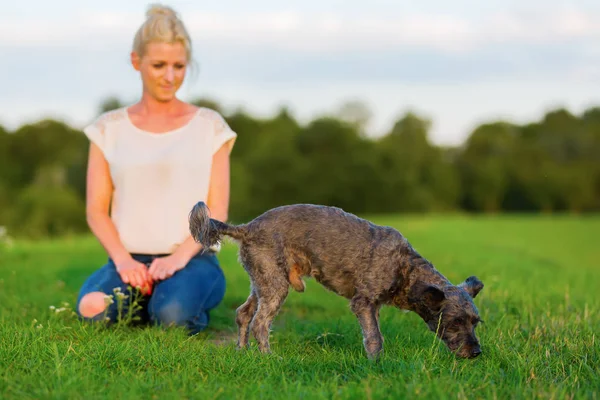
{"x": 52, "y": 307}
{"x": 108, "y": 299}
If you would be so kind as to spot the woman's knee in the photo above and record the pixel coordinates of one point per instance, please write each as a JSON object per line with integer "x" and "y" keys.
{"x": 169, "y": 313}
{"x": 92, "y": 300}
{"x": 92, "y": 304}
{"x": 174, "y": 313}
{"x": 209, "y": 280}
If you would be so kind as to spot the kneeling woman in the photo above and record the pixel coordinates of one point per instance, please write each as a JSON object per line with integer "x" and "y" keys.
{"x": 149, "y": 163}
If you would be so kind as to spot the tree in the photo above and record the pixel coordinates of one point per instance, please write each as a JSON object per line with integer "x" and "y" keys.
{"x": 247, "y": 129}
{"x": 5, "y": 175}
{"x": 548, "y": 165}
{"x": 341, "y": 165}
{"x": 208, "y": 103}
{"x": 484, "y": 166}
{"x": 46, "y": 199}
{"x": 5, "y": 157}
{"x": 591, "y": 123}
{"x": 276, "y": 166}
{"x": 265, "y": 164}
{"x": 110, "y": 103}
{"x": 48, "y": 153}
{"x": 532, "y": 174}
{"x": 416, "y": 177}
{"x": 44, "y": 211}
{"x": 357, "y": 114}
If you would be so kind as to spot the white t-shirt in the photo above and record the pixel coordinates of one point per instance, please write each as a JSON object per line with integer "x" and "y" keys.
{"x": 158, "y": 177}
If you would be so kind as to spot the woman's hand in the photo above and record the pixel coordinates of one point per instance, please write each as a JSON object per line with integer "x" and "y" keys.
{"x": 136, "y": 274}
{"x": 164, "y": 267}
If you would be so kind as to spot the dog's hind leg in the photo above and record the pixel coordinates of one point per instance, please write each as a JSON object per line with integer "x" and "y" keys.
{"x": 270, "y": 299}
{"x": 367, "y": 314}
{"x": 245, "y": 313}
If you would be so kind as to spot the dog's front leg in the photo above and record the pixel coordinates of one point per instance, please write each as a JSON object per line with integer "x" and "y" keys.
{"x": 367, "y": 313}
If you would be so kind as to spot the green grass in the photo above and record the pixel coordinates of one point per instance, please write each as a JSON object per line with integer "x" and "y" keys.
{"x": 540, "y": 305}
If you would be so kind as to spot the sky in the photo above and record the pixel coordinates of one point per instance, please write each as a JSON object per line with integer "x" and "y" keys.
{"x": 458, "y": 64}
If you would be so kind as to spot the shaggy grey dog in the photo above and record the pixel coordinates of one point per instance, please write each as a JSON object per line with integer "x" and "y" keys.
{"x": 368, "y": 264}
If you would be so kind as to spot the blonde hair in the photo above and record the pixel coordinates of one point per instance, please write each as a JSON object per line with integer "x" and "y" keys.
{"x": 162, "y": 25}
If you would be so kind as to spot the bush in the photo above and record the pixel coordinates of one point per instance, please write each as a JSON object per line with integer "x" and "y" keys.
{"x": 47, "y": 211}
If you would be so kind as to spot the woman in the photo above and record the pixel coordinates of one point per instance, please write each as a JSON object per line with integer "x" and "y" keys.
{"x": 149, "y": 164}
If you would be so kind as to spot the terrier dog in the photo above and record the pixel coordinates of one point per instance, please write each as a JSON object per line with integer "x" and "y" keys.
{"x": 368, "y": 264}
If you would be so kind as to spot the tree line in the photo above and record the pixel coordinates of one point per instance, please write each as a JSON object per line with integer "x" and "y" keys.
{"x": 551, "y": 165}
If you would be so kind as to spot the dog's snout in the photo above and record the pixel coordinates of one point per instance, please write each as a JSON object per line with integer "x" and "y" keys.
{"x": 475, "y": 352}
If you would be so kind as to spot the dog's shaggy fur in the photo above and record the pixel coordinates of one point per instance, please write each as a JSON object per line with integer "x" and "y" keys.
{"x": 368, "y": 264}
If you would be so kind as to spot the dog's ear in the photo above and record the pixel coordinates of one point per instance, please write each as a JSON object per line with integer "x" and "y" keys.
{"x": 429, "y": 295}
{"x": 472, "y": 285}
{"x": 434, "y": 297}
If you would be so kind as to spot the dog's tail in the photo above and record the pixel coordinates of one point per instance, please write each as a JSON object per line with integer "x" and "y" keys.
{"x": 208, "y": 231}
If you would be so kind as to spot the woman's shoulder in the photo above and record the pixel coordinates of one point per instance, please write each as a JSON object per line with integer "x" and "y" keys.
{"x": 99, "y": 130}
{"x": 216, "y": 119}
{"x": 222, "y": 132}
{"x": 210, "y": 114}
{"x": 105, "y": 119}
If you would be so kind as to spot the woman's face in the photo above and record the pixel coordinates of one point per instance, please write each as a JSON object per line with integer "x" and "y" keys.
{"x": 163, "y": 68}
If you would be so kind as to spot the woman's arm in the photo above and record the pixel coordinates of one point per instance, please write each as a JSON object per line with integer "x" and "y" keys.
{"x": 217, "y": 202}
{"x": 98, "y": 197}
{"x": 218, "y": 193}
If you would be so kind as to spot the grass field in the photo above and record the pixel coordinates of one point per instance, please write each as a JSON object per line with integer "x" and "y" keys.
{"x": 540, "y": 338}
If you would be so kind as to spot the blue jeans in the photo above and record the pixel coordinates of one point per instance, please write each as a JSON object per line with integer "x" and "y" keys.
{"x": 184, "y": 299}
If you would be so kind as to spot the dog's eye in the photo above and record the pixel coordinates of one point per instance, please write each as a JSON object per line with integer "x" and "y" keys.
{"x": 458, "y": 322}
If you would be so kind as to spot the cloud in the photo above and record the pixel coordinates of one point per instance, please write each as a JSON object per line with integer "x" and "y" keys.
{"x": 542, "y": 27}
{"x": 320, "y": 32}
{"x": 459, "y": 64}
